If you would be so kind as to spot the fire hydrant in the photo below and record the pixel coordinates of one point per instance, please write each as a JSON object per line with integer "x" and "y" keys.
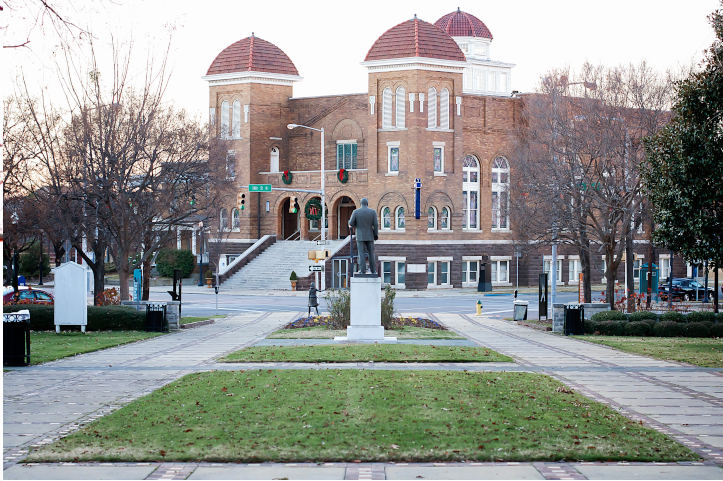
{"x": 479, "y": 308}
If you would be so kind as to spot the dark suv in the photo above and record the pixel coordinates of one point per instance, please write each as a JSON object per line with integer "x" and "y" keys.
{"x": 684, "y": 289}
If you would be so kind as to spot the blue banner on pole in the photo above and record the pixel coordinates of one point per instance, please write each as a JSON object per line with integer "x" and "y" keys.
{"x": 417, "y": 198}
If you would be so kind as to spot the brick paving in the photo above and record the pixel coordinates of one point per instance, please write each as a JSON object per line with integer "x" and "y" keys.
{"x": 44, "y": 403}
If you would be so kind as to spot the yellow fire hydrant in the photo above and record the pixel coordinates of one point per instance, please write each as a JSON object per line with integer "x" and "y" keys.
{"x": 479, "y": 308}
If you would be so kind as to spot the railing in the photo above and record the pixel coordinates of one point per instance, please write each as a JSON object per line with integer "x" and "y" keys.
{"x": 295, "y": 236}
{"x": 244, "y": 255}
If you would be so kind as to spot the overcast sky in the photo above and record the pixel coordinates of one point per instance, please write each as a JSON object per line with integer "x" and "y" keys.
{"x": 326, "y": 40}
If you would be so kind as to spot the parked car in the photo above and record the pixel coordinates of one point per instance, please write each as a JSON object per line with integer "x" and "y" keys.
{"x": 684, "y": 289}
{"x": 27, "y": 295}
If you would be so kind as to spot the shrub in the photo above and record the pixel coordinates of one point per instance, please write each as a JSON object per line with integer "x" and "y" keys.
{"x": 611, "y": 328}
{"x": 293, "y": 276}
{"x": 169, "y": 259}
{"x": 609, "y": 316}
{"x": 338, "y": 302}
{"x": 708, "y": 324}
{"x": 638, "y": 329}
{"x": 701, "y": 316}
{"x": 695, "y": 329}
{"x": 100, "y": 318}
{"x": 672, "y": 316}
{"x": 716, "y": 330}
{"x": 109, "y": 267}
{"x": 667, "y": 329}
{"x": 590, "y": 327}
{"x": 109, "y": 297}
{"x": 643, "y": 316}
{"x": 388, "y": 306}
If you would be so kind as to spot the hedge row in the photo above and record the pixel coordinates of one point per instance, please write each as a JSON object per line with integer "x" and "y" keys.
{"x": 100, "y": 318}
{"x": 649, "y": 327}
{"x": 697, "y": 316}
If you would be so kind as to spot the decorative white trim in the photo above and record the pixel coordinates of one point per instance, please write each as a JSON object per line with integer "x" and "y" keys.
{"x": 458, "y": 100}
{"x": 251, "y": 77}
{"x": 392, "y": 129}
{"x": 414, "y": 63}
{"x": 471, "y": 258}
{"x": 573, "y": 258}
{"x": 467, "y": 229}
{"x": 421, "y": 103}
{"x": 549, "y": 258}
{"x": 440, "y": 174}
{"x": 372, "y": 102}
{"x": 392, "y": 259}
{"x": 500, "y": 258}
{"x": 439, "y": 144}
{"x": 391, "y": 174}
{"x": 275, "y": 138}
{"x": 411, "y": 102}
{"x": 246, "y": 113}
{"x": 500, "y": 229}
{"x": 437, "y": 129}
{"x": 439, "y": 231}
{"x": 440, "y": 259}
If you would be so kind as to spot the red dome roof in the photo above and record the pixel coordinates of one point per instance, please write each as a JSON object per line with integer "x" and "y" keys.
{"x": 415, "y": 38}
{"x": 252, "y": 54}
{"x": 462, "y": 24}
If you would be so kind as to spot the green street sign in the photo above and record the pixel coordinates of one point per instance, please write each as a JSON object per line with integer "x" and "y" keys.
{"x": 259, "y": 187}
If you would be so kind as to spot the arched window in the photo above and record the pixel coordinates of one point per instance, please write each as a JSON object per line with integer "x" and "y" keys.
{"x": 236, "y": 130}
{"x": 386, "y": 218}
{"x": 235, "y": 218}
{"x": 224, "y": 119}
{"x": 470, "y": 193}
{"x": 432, "y": 218}
{"x": 432, "y": 108}
{"x": 444, "y": 223}
{"x": 444, "y": 109}
{"x": 274, "y": 160}
{"x": 387, "y": 108}
{"x": 500, "y": 177}
{"x": 400, "y": 108}
{"x": 223, "y": 219}
{"x": 399, "y": 217}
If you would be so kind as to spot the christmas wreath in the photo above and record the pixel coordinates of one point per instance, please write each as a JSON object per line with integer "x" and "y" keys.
{"x": 343, "y": 176}
{"x": 313, "y": 209}
{"x": 287, "y": 177}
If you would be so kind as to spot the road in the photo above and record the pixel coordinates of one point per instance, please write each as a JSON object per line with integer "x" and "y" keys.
{"x": 493, "y": 305}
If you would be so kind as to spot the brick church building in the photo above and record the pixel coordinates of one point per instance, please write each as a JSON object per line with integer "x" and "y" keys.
{"x": 438, "y": 110}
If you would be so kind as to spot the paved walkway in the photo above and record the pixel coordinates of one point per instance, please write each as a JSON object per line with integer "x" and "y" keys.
{"x": 43, "y": 403}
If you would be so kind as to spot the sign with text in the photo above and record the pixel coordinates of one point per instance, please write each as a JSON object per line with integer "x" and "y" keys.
{"x": 259, "y": 187}
{"x": 542, "y": 297}
{"x": 315, "y": 268}
{"x": 580, "y": 290}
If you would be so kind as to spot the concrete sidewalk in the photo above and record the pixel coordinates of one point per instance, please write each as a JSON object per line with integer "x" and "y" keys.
{"x": 43, "y": 403}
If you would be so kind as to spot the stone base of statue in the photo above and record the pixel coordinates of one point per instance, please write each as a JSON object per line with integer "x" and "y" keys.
{"x": 366, "y": 311}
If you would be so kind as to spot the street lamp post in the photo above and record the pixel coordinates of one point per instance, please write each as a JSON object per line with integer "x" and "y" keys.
{"x": 323, "y": 196}
{"x": 200, "y": 264}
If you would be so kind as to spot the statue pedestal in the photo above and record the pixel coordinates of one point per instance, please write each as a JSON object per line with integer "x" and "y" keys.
{"x": 366, "y": 311}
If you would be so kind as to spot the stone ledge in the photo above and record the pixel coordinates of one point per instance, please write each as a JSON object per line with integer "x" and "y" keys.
{"x": 534, "y": 326}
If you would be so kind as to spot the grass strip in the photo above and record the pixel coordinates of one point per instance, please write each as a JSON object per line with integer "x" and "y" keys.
{"x": 698, "y": 351}
{"x": 365, "y": 353}
{"x": 371, "y": 416}
{"x": 190, "y": 319}
{"x": 323, "y": 332}
{"x": 46, "y": 346}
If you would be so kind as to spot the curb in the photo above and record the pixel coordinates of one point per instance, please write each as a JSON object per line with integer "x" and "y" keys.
{"x": 192, "y": 325}
{"x": 534, "y": 326}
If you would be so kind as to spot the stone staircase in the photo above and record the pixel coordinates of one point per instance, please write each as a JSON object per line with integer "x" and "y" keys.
{"x": 271, "y": 269}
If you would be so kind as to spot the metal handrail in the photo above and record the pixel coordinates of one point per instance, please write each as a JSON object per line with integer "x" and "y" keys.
{"x": 291, "y": 237}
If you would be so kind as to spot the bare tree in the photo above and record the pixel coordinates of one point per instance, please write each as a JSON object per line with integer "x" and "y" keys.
{"x": 579, "y": 150}
{"x": 38, "y": 15}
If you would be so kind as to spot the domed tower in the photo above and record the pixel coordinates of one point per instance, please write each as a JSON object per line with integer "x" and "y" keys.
{"x": 250, "y": 83}
{"x": 482, "y": 75}
{"x": 415, "y": 84}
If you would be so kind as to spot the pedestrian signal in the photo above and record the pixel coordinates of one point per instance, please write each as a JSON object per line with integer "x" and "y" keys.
{"x": 293, "y": 205}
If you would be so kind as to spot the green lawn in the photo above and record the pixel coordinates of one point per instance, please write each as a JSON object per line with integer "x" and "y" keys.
{"x": 347, "y": 415}
{"x": 365, "y": 353}
{"x": 190, "y": 319}
{"x": 48, "y": 346}
{"x": 323, "y": 332}
{"x": 701, "y": 352}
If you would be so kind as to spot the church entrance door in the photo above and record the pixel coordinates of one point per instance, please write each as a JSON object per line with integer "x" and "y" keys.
{"x": 290, "y": 222}
{"x": 346, "y": 207}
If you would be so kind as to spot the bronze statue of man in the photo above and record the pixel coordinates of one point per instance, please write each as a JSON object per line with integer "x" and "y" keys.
{"x": 366, "y": 223}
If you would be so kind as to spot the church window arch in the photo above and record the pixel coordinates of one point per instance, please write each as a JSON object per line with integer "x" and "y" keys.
{"x": 224, "y": 119}
{"x": 236, "y": 128}
{"x": 387, "y": 108}
{"x": 432, "y": 108}
{"x": 386, "y": 218}
{"x": 470, "y": 193}
{"x": 500, "y": 177}
{"x": 400, "y": 108}
{"x": 444, "y": 109}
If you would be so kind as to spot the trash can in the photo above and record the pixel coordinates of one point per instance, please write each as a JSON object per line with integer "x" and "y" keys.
{"x": 16, "y": 338}
{"x": 156, "y": 320}
{"x": 520, "y": 310}
{"x": 574, "y": 319}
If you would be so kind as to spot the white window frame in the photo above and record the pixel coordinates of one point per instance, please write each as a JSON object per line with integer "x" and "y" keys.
{"x": 431, "y": 269}
{"x": 223, "y": 220}
{"x": 573, "y": 260}
{"x": 495, "y": 265}
{"x": 469, "y": 187}
{"x": 432, "y": 108}
{"x": 235, "y": 219}
{"x": 434, "y": 219}
{"x": 231, "y": 165}
{"x": 548, "y": 260}
{"x": 390, "y": 146}
{"x": 666, "y": 258}
{"x": 400, "y": 107}
{"x": 400, "y": 209}
{"x": 225, "y": 119}
{"x": 438, "y": 145}
{"x": 438, "y": 262}
{"x": 387, "y": 108}
{"x": 391, "y": 219}
{"x": 466, "y": 270}
{"x": 394, "y": 261}
{"x": 272, "y": 167}
{"x": 444, "y": 109}
{"x": 236, "y": 126}
{"x": 503, "y": 195}
{"x": 449, "y": 219}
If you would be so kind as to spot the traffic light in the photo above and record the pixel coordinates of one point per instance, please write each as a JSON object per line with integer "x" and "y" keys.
{"x": 242, "y": 201}
{"x": 293, "y": 205}
{"x": 193, "y": 200}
